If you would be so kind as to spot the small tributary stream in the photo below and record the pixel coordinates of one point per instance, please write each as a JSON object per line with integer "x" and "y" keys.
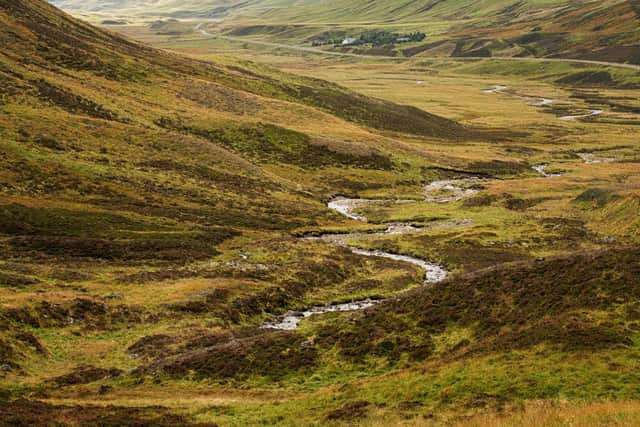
{"x": 438, "y": 192}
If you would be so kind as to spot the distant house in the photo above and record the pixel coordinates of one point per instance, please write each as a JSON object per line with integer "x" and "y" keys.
{"x": 404, "y": 39}
{"x": 349, "y": 41}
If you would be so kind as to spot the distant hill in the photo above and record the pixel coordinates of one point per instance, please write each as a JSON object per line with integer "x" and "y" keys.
{"x": 602, "y": 30}
{"x": 329, "y": 11}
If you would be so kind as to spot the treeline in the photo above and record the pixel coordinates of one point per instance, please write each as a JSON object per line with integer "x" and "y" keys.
{"x": 375, "y": 38}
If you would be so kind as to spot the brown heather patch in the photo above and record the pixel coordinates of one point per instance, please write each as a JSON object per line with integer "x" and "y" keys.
{"x": 24, "y": 412}
{"x": 514, "y": 306}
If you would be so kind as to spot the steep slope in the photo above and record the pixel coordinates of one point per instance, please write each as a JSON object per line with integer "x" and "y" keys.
{"x": 115, "y": 156}
{"x": 97, "y": 115}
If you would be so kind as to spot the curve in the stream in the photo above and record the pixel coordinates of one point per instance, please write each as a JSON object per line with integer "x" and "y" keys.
{"x": 592, "y": 158}
{"x": 345, "y": 206}
{"x": 433, "y": 273}
{"x": 542, "y": 102}
{"x": 451, "y": 190}
{"x": 542, "y": 170}
{"x": 291, "y": 320}
{"x": 581, "y": 116}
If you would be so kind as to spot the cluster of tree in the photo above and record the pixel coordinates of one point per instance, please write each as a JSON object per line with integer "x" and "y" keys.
{"x": 375, "y": 38}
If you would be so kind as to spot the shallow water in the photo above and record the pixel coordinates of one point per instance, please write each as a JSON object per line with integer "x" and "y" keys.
{"x": 581, "y": 116}
{"x": 451, "y": 190}
{"x": 542, "y": 170}
{"x": 542, "y": 102}
{"x": 291, "y": 320}
{"x": 495, "y": 89}
{"x": 433, "y": 273}
{"x": 346, "y": 206}
{"x": 591, "y": 158}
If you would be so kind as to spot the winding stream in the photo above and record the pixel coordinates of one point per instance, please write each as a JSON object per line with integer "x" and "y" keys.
{"x": 542, "y": 102}
{"x": 438, "y": 191}
{"x": 592, "y": 158}
{"x": 452, "y": 190}
{"x": 542, "y": 170}
{"x": 433, "y": 273}
{"x": 346, "y": 206}
{"x": 291, "y": 320}
{"x": 581, "y": 116}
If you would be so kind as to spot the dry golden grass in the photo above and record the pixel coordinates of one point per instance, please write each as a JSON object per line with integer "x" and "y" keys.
{"x": 563, "y": 414}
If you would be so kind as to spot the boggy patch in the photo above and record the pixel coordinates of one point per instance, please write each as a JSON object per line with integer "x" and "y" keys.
{"x": 88, "y": 312}
{"x": 85, "y": 374}
{"x": 269, "y": 354}
{"x": 271, "y": 143}
{"x": 134, "y": 249}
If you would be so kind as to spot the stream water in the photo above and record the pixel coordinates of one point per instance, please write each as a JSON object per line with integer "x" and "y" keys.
{"x": 541, "y": 102}
{"x": 542, "y": 170}
{"x": 452, "y": 190}
{"x": 437, "y": 191}
{"x": 581, "y": 116}
{"x": 592, "y": 158}
{"x": 291, "y": 320}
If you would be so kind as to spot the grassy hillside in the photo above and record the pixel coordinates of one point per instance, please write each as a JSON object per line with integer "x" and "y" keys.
{"x": 606, "y": 31}
{"x": 156, "y": 210}
{"x": 117, "y": 158}
{"x": 324, "y": 11}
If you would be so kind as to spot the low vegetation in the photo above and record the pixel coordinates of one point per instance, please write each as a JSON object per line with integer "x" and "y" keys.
{"x": 157, "y": 210}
